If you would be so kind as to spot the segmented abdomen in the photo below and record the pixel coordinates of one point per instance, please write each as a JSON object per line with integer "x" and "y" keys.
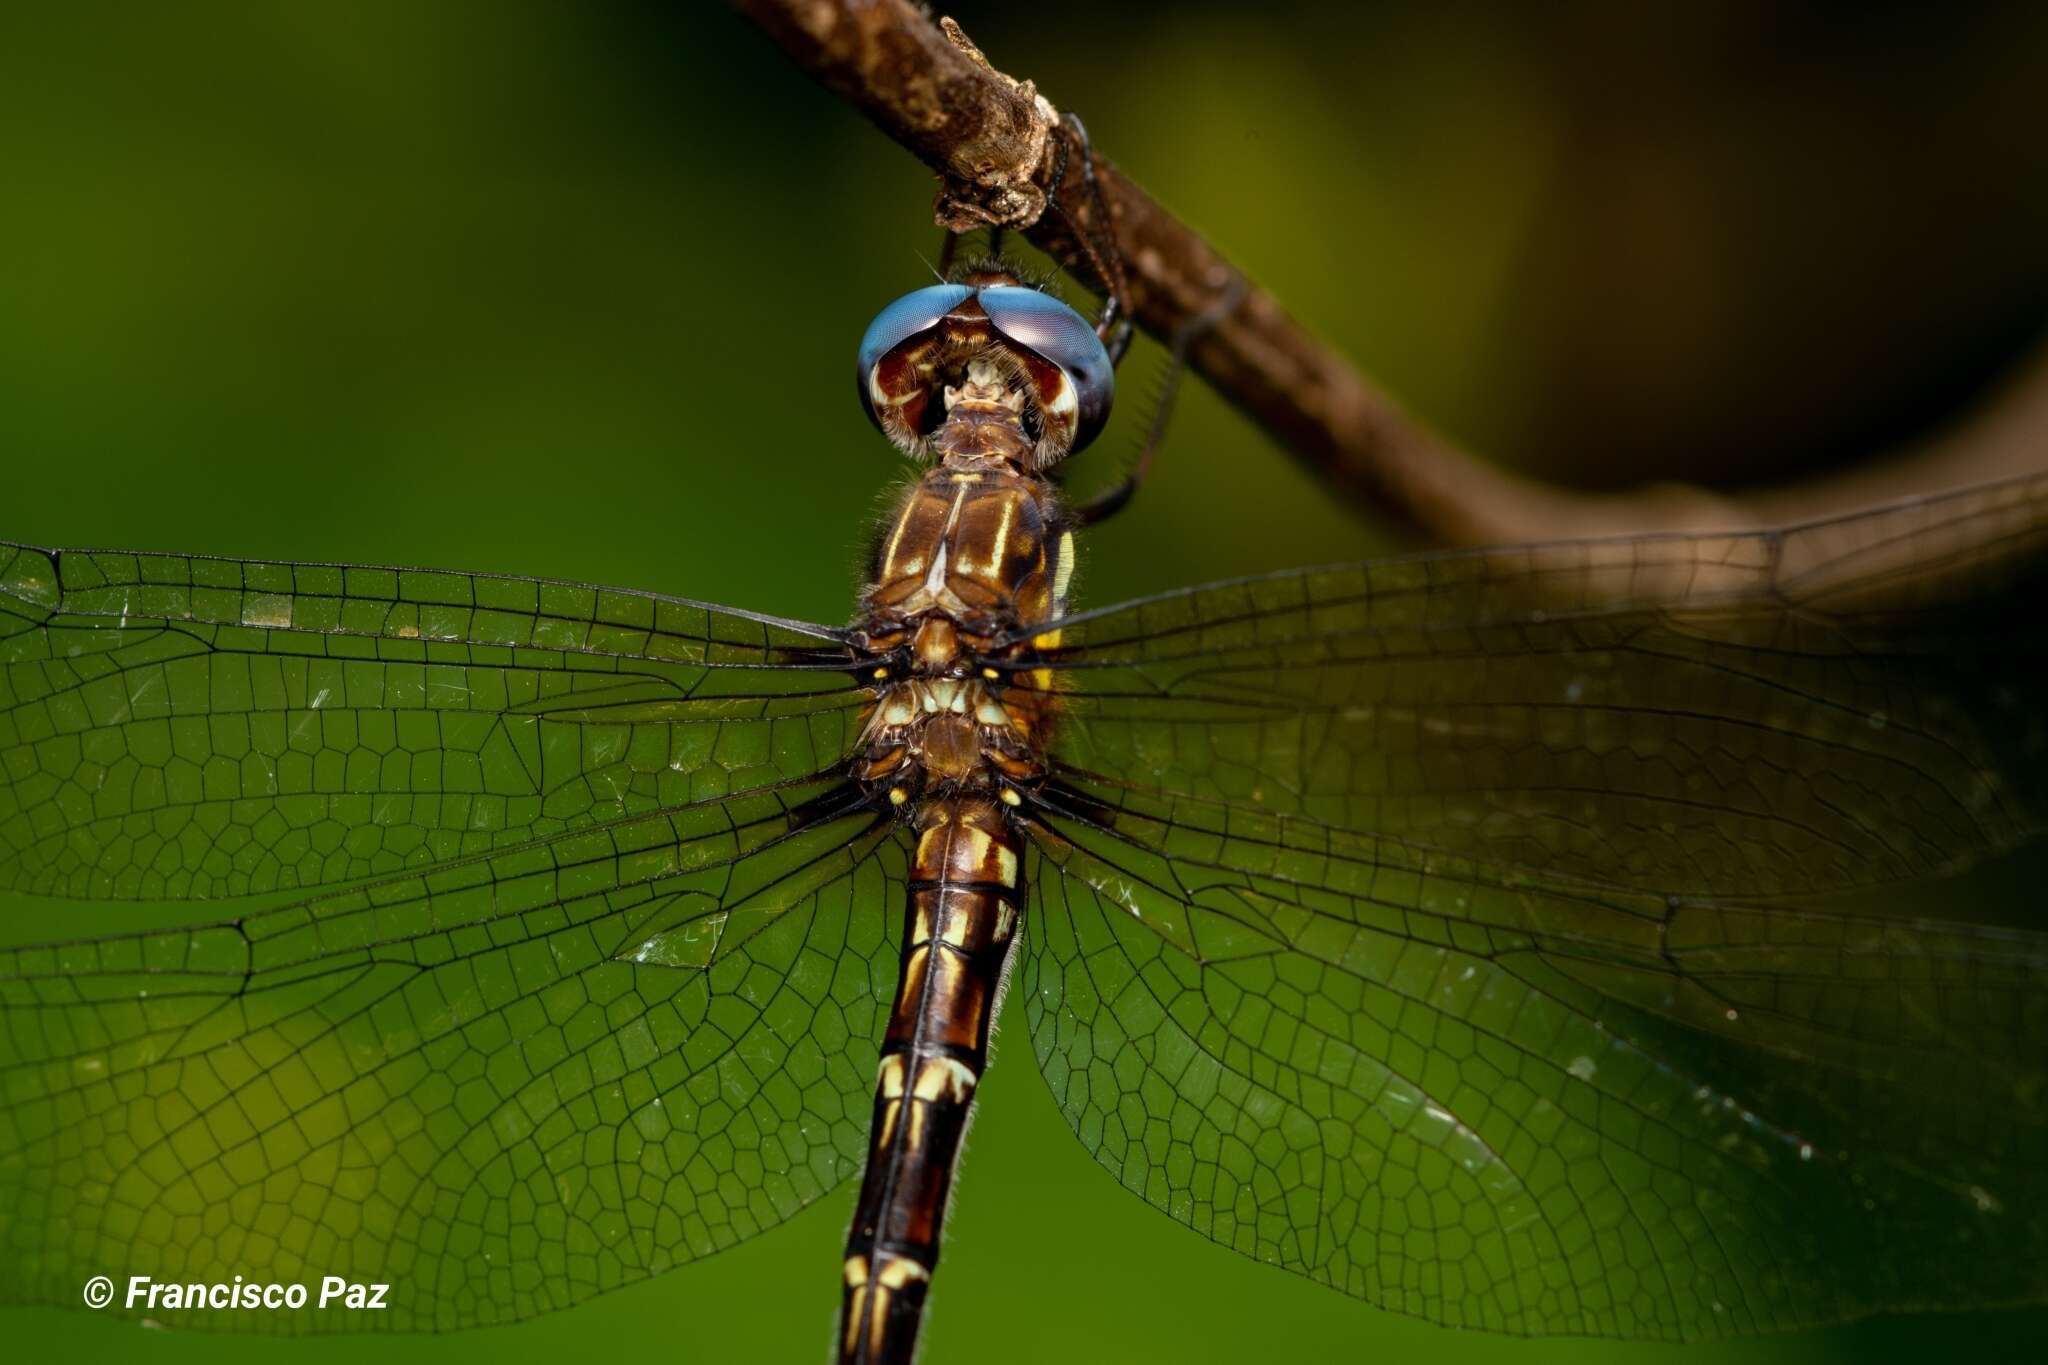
{"x": 960, "y": 922}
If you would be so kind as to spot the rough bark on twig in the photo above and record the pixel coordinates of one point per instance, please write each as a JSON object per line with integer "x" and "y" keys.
{"x": 994, "y": 142}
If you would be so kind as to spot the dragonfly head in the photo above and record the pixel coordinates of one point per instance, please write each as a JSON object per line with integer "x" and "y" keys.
{"x": 986, "y": 339}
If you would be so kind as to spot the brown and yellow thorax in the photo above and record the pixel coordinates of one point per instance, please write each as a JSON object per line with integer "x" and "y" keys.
{"x": 972, "y": 556}
{"x": 993, "y": 383}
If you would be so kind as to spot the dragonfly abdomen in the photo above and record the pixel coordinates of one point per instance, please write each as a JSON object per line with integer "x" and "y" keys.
{"x": 965, "y": 888}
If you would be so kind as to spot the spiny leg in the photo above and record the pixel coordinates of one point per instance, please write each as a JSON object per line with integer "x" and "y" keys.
{"x": 1115, "y": 498}
{"x": 1096, "y": 238}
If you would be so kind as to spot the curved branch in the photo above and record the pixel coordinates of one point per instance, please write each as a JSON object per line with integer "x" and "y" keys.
{"x": 994, "y": 142}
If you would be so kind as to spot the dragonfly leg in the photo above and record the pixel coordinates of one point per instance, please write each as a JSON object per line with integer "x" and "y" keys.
{"x": 833, "y": 804}
{"x": 1115, "y": 498}
{"x": 1096, "y": 238}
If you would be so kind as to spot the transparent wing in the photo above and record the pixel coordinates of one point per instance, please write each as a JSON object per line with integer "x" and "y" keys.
{"x": 175, "y": 727}
{"x": 500, "y": 1086}
{"x": 1844, "y": 703}
{"x": 1452, "y": 929}
{"x": 1514, "y": 1102}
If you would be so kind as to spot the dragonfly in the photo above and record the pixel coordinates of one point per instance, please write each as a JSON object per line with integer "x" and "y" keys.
{"x": 1464, "y": 931}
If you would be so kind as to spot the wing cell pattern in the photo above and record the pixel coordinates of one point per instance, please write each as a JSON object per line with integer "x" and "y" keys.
{"x": 174, "y": 727}
{"x": 1828, "y": 706}
{"x": 1464, "y": 932}
{"x": 501, "y": 1086}
{"x": 1506, "y": 1102}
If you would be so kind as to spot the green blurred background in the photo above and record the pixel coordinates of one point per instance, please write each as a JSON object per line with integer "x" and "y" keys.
{"x": 574, "y": 290}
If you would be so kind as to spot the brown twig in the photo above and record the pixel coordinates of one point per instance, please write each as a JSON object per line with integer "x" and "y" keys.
{"x": 994, "y": 142}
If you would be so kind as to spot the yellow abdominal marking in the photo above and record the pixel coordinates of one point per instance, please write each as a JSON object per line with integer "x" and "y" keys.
{"x": 890, "y": 1087}
{"x": 886, "y": 1134}
{"x": 899, "y": 1271}
{"x": 944, "y": 1078}
{"x": 978, "y": 843}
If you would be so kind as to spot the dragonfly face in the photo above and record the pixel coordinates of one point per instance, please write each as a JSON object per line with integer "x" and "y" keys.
{"x": 1053, "y": 363}
{"x": 1457, "y": 930}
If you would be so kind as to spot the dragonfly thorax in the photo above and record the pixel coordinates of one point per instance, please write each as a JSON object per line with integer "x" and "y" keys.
{"x": 974, "y": 554}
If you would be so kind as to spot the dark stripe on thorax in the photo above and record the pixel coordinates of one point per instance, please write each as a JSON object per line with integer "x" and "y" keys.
{"x": 959, "y": 925}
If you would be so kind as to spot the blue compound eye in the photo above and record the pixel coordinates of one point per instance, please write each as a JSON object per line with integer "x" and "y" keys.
{"x": 917, "y": 311}
{"x": 1040, "y": 323}
{"x": 918, "y": 345}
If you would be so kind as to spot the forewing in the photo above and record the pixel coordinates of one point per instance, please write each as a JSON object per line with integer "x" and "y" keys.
{"x": 1844, "y": 703}
{"x": 175, "y": 727}
{"x": 500, "y": 1086}
{"x": 1518, "y": 1103}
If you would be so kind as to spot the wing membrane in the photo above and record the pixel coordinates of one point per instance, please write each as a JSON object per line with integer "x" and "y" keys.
{"x": 1520, "y": 1103}
{"x": 175, "y": 727}
{"x": 1464, "y": 931}
{"x": 501, "y": 1085}
{"x": 1837, "y": 704}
